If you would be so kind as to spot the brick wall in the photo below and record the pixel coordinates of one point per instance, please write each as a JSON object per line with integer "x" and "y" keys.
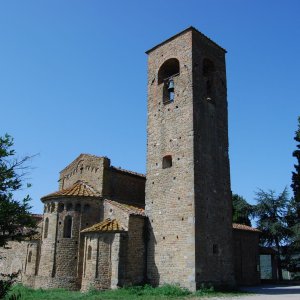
{"x": 125, "y": 187}
{"x": 97, "y": 268}
{"x": 170, "y": 191}
{"x": 214, "y": 261}
{"x": 88, "y": 168}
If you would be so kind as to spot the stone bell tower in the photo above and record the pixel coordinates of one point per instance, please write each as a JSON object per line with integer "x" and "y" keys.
{"x": 188, "y": 195}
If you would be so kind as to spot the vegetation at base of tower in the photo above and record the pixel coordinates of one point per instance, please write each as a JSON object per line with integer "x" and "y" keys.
{"x": 15, "y": 219}
{"x": 145, "y": 292}
{"x": 294, "y": 210}
{"x": 271, "y": 217}
{"x": 296, "y": 175}
{"x": 241, "y": 210}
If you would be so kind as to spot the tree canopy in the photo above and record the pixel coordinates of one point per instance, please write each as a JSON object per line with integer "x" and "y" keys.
{"x": 16, "y": 221}
{"x": 296, "y": 174}
{"x": 241, "y": 210}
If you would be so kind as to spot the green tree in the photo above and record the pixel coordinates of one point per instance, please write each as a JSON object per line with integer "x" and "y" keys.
{"x": 241, "y": 210}
{"x": 15, "y": 219}
{"x": 271, "y": 213}
{"x": 296, "y": 175}
{"x": 293, "y": 216}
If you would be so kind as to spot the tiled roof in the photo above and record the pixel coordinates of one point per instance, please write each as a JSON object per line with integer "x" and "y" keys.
{"x": 244, "y": 227}
{"x": 130, "y": 209}
{"x": 78, "y": 189}
{"x": 107, "y": 225}
{"x": 127, "y": 171}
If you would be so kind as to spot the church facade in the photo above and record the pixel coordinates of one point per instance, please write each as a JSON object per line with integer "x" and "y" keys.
{"x": 107, "y": 227}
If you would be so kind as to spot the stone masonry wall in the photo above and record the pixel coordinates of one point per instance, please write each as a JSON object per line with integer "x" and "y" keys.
{"x": 214, "y": 261}
{"x": 87, "y": 168}
{"x": 134, "y": 262}
{"x": 170, "y": 191}
{"x": 97, "y": 268}
{"x": 13, "y": 257}
{"x": 126, "y": 187}
{"x": 62, "y": 256}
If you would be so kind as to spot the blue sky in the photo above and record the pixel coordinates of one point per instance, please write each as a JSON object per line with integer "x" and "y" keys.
{"x": 73, "y": 80}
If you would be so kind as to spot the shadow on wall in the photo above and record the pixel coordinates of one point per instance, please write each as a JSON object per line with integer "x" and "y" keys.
{"x": 152, "y": 275}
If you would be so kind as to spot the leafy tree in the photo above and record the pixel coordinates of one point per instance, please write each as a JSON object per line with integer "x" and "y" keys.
{"x": 15, "y": 218}
{"x": 293, "y": 216}
{"x": 16, "y": 221}
{"x": 241, "y": 210}
{"x": 296, "y": 175}
{"x": 271, "y": 213}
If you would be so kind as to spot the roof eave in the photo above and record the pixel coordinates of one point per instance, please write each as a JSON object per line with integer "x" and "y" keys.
{"x": 191, "y": 28}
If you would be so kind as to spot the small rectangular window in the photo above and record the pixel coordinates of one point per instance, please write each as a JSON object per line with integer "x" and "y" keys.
{"x": 215, "y": 249}
{"x": 167, "y": 162}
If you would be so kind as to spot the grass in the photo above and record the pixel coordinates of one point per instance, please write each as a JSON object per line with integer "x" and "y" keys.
{"x": 138, "y": 292}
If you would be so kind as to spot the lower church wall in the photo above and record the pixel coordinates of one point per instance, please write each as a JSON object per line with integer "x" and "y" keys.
{"x": 46, "y": 282}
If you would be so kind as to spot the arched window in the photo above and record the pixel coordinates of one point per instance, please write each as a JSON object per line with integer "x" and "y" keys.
{"x": 89, "y": 254}
{"x": 78, "y": 207}
{"x": 46, "y": 228}
{"x": 168, "y": 69}
{"x": 167, "y": 162}
{"x": 29, "y": 256}
{"x": 69, "y": 206}
{"x": 67, "y": 227}
{"x": 52, "y": 207}
{"x": 208, "y": 69}
{"x": 61, "y": 207}
{"x": 86, "y": 208}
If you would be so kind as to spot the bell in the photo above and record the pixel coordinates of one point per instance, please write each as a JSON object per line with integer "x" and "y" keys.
{"x": 171, "y": 85}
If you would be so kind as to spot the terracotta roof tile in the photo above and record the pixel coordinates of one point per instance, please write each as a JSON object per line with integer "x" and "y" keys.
{"x": 107, "y": 225}
{"x": 244, "y": 227}
{"x": 130, "y": 209}
{"x": 78, "y": 189}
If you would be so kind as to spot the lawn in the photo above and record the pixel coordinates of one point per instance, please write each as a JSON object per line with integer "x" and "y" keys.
{"x": 140, "y": 292}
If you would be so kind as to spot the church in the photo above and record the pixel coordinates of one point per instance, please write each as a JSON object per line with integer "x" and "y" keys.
{"x": 107, "y": 227}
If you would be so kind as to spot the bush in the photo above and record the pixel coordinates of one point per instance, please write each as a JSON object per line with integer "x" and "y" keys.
{"x": 7, "y": 280}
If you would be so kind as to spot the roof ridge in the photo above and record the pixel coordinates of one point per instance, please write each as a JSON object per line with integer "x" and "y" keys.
{"x": 107, "y": 225}
{"x": 128, "y": 171}
{"x": 244, "y": 227}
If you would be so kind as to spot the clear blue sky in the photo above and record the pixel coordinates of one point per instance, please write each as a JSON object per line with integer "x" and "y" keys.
{"x": 73, "y": 80}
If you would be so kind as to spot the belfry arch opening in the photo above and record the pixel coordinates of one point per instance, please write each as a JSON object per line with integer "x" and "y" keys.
{"x": 208, "y": 70}
{"x": 168, "y": 69}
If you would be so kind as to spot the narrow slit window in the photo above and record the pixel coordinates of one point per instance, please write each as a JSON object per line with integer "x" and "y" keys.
{"x": 89, "y": 254}
{"x": 167, "y": 162}
{"x": 215, "y": 249}
{"x": 68, "y": 227}
{"x": 208, "y": 71}
{"x": 29, "y": 256}
{"x": 46, "y": 228}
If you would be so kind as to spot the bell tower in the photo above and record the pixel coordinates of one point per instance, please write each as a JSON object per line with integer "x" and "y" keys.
{"x": 188, "y": 195}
